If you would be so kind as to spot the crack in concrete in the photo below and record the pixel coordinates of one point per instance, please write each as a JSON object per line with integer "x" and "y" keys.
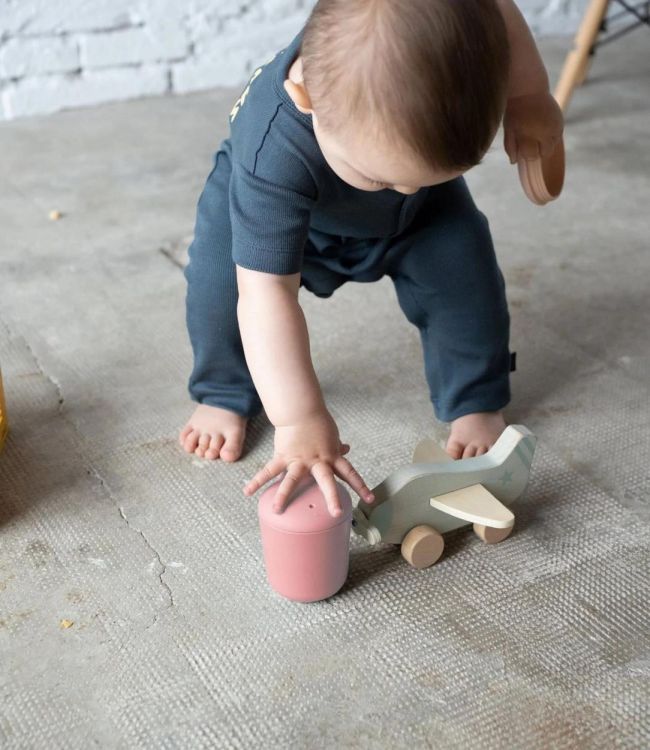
{"x": 57, "y": 386}
{"x": 93, "y": 469}
{"x": 176, "y": 250}
{"x": 169, "y": 254}
{"x": 163, "y": 566}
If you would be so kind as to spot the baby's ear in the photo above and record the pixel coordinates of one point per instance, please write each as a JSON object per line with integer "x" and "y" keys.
{"x": 299, "y": 96}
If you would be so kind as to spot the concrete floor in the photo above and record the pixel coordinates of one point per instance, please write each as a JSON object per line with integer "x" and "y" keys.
{"x": 154, "y": 557}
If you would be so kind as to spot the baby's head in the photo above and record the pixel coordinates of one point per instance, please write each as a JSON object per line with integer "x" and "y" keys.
{"x": 402, "y": 94}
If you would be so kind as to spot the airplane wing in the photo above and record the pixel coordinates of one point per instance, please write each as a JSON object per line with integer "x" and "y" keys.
{"x": 476, "y": 505}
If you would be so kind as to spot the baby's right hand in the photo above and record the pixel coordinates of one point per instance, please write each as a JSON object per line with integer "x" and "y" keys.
{"x": 313, "y": 445}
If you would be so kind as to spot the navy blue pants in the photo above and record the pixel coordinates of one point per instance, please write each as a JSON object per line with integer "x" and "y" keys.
{"x": 447, "y": 281}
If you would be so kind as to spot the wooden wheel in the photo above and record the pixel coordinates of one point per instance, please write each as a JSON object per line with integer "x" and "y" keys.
{"x": 422, "y": 546}
{"x": 491, "y": 535}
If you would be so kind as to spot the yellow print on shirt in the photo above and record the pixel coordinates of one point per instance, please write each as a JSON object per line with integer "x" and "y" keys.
{"x": 240, "y": 102}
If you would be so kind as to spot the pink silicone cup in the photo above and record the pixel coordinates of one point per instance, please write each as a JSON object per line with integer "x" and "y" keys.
{"x": 306, "y": 549}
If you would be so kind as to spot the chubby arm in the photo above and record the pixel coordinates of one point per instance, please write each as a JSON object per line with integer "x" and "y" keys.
{"x": 527, "y": 72}
{"x": 533, "y": 121}
{"x": 276, "y": 344}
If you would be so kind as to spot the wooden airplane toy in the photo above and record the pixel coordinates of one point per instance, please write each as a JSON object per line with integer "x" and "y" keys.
{"x": 416, "y": 504}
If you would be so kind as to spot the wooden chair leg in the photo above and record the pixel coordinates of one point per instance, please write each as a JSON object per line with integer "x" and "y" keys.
{"x": 577, "y": 61}
{"x": 584, "y": 71}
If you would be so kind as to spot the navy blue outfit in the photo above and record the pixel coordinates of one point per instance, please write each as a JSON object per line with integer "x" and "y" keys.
{"x": 272, "y": 203}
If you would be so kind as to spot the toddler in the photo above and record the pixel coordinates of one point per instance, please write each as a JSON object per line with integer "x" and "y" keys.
{"x": 344, "y": 162}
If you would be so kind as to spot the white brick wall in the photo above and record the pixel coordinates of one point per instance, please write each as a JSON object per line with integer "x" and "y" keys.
{"x": 56, "y": 54}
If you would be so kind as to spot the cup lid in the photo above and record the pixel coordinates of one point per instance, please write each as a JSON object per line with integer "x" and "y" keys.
{"x": 306, "y": 511}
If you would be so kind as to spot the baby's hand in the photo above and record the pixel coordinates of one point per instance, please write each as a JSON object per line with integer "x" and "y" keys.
{"x": 532, "y": 125}
{"x": 313, "y": 446}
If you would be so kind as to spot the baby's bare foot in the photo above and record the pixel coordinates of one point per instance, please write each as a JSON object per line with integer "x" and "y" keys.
{"x": 474, "y": 434}
{"x": 213, "y": 433}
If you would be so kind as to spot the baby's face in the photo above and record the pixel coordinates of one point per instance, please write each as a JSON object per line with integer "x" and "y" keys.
{"x": 366, "y": 163}
{"x": 371, "y": 164}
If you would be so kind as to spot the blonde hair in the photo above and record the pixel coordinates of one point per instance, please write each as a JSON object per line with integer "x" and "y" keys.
{"x": 433, "y": 72}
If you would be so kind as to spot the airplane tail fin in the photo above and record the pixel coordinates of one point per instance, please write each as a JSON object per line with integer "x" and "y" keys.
{"x": 513, "y": 455}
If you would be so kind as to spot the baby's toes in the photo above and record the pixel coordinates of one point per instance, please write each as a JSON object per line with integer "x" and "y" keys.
{"x": 455, "y": 449}
{"x": 232, "y": 448}
{"x": 216, "y": 441}
{"x": 470, "y": 450}
{"x": 182, "y": 436}
{"x": 204, "y": 442}
{"x": 191, "y": 440}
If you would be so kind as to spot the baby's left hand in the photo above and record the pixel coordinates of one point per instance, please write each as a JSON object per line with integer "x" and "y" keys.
{"x": 533, "y": 124}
